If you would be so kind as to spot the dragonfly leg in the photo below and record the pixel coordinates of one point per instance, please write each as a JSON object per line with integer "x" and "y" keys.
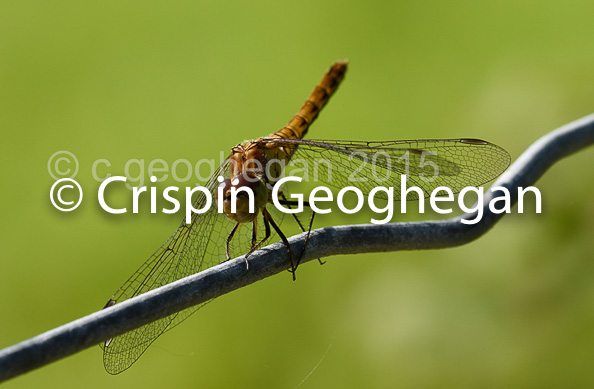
{"x": 311, "y": 220}
{"x": 268, "y": 217}
{"x": 229, "y": 240}
{"x": 254, "y": 232}
{"x": 313, "y": 214}
{"x": 254, "y": 238}
{"x": 267, "y": 235}
{"x": 290, "y": 203}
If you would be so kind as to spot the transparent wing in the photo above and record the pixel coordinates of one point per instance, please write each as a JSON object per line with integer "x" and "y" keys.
{"x": 191, "y": 249}
{"x": 427, "y": 163}
{"x": 455, "y": 163}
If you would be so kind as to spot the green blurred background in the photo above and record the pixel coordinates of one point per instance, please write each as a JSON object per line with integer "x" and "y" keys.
{"x": 186, "y": 79}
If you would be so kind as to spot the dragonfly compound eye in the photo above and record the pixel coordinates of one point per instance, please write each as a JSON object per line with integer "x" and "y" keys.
{"x": 241, "y": 192}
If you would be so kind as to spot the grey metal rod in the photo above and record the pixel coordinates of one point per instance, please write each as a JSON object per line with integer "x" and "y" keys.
{"x": 324, "y": 242}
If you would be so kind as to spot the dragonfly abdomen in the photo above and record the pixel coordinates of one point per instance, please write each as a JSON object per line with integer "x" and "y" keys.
{"x": 299, "y": 124}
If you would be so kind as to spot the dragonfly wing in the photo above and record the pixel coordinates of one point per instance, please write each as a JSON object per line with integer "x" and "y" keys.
{"x": 427, "y": 163}
{"x": 190, "y": 249}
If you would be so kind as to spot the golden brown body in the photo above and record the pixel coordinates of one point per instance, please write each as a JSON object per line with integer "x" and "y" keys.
{"x": 249, "y": 162}
{"x": 251, "y": 158}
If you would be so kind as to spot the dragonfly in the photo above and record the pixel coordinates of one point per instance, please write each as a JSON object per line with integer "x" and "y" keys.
{"x": 211, "y": 238}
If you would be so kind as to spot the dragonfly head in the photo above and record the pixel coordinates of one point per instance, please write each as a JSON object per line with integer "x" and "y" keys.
{"x": 239, "y": 190}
